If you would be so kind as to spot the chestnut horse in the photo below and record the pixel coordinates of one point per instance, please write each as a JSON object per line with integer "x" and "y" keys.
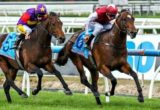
{"x": 109, "y": 52}
{"x": 35, "y": 53}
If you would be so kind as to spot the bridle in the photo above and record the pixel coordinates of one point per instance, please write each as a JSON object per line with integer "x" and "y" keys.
{"x": 51, "y": 27}
{"x": 124, "y": 30}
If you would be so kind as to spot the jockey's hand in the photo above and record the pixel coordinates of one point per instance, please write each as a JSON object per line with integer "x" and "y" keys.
{"x": 86, "y": 38}
{"x": 27, "y": 36}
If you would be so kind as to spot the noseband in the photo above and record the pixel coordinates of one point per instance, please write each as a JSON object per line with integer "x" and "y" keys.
{"x": 122, "y": 23}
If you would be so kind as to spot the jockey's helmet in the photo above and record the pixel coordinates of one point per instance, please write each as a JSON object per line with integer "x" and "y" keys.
{"x": 40, "y": 10}
{"x": 111, "y": 10}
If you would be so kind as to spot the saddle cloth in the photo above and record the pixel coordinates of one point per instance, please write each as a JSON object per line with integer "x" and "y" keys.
{"x": 7, "y": 46}
{"x": 79, "y": 46}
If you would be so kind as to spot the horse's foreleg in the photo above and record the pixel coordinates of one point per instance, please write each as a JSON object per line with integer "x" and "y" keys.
{"x": 77, "y": 62}
{"x": 40, "y": 75}
{"x": 128, "y": 70}
{"x": 107, "y": 73}
{"x": 6, "y": 87}
{"x": 50, "y": 68}
{"x": 11, "y": 77}
{"x": 34, "y": 69}
{"x": 94, "y": 76}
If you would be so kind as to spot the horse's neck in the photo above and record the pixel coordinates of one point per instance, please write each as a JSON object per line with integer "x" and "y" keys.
{"x": 118, "y": 37}
{"x": 42, "y": 36}
{"x": 44, "y": 39}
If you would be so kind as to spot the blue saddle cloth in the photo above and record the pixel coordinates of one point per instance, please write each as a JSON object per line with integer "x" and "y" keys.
{"x": 79, "y": 45}
{"x": 7, "y": 46}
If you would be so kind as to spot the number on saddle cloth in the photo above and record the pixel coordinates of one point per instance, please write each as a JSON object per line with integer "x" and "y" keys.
{"x": 79, "y": 46}
{"x": 7, "y": 45}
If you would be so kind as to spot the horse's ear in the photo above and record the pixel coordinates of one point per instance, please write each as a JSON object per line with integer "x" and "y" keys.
{"x": 53, "y": 14}
{"x": 127, "y": 9}
{"x": 118, "y": 14}
{"x": 58, "y": 14}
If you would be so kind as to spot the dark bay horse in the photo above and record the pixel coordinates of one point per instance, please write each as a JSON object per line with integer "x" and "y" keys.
{"x": 35, "y": 53}
{"x": 109, "y": 52}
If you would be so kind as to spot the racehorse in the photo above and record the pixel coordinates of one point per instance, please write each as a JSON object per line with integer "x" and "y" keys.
{"x": 109, "y": 52}
{"x": 35, "y": 53}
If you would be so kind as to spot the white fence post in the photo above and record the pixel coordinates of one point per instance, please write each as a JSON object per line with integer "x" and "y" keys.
{"x": 88, "y": 78}
{"x": 26, "y": 83}
{"x": 107, "y": 90}
{"x": 152, "y": 82}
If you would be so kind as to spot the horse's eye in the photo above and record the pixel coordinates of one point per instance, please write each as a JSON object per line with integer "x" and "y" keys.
{"x": 124, "y": 19}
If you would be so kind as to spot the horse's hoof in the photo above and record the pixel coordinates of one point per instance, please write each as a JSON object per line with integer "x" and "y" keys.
{"x": 109, "y": 94}
{"x": 24, "y": 95}
{"x": 9, "y": 101}
{"x": 140, "y": 99}
{"x": 35, "y": 92}
{"x": 98, "y": 101}
{"x": 68, "y": 92}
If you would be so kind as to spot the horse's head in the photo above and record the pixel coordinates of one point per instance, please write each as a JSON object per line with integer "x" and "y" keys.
{"x": 55, "y": 27}
{"x": 125, "y": 22}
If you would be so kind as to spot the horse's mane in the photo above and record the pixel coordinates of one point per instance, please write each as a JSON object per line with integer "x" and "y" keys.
{"x": 38, "y": 25}
{"x": 53, "y": 13}
{"x": 124, "y": 10}
{"x": 109, "y": 30}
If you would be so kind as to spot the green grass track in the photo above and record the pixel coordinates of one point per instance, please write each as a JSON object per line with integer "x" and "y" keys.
{"x": 48, "y": 100}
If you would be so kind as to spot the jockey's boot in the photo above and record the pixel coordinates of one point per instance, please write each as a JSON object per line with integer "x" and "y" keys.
{"x": 92, "y": 60}
{"x": 20, "y": 37}
{"x": 89, "y": 42}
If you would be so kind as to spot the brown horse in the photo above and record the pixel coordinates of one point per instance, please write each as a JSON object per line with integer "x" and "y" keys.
{"x": 109, "y": 52}
{"x": 35, "y": 53}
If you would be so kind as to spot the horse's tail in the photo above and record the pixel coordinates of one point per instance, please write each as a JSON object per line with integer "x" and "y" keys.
{"x": 62, "y": 57}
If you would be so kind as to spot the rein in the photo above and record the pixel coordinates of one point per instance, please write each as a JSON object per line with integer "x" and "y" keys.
{"x": 111, "y": 45}
{"x": 124, "y": 31}
{"x": 45, "y": 30}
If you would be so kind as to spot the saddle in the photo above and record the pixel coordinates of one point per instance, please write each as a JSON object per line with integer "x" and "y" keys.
{"x": 19, "y": 41}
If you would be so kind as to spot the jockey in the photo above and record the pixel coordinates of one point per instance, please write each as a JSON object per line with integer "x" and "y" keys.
{"x": 29, "y": 19}
{"x": 99, "y": 20}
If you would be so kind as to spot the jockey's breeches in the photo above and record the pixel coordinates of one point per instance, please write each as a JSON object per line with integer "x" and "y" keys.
{"x": 97, "y": 27}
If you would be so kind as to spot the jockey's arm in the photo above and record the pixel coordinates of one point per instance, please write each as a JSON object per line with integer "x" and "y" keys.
{"x": 92, "y": 17}
{"x": 24, "y": 18}
{"x": 23, "y": 21}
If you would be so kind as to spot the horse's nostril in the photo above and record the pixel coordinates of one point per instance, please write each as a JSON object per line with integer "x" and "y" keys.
{"x": 133, "y": 34}
{"x": 62, "y": 39}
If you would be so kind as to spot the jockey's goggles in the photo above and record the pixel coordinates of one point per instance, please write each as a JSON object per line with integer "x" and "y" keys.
{"x": 111, "y": 15}
{"x": 40, "y": 15}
